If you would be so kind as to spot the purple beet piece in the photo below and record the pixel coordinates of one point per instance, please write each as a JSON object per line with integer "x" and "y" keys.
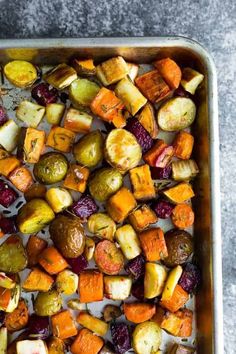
{"x": 2, "y": 318}
{"x": 163, "y": 208}
{"x": 121, "y": 337}
{"x": 3, "y": 116}
{"x": 180, "y": 91}
{"x": 7, "y": 195}
{"x": 190, "y": 278}
{"x": 8, "y": 225}
{"x": 137, "y": 289}
{"x": 38, "y": 327}
{"x": 136, "y": 267}
{"x": 44, "y": 94}
{"x": 78, "y": 264}
{"x": 84, "y": 207}
{"x": 161, "y": 173}
{"x": 142, "y": 136}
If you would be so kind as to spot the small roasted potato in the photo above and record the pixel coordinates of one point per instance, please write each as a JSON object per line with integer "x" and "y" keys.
{"x": 88, "y": 151}
{"x": 181, "y": 349}
{"x": 108, "y": 257}
{"x": 112, "y": 70}
{"x": 9, "y": 133}
{"x": 172, "y": 281}
{"x": 35, "y": 191}
{"x": 184, "y": 170}
{"x": 48, "y": 303}
{"x": 191, "y": 79}
{"x": 20, "y": 73}
{"x": 59, "y": 199}
{"x": 61, "y": 76}
{"x": 177, "y": 113}
{"x": 78, "y": 121}
{"x": 54, "y": 113}
{"x": 179, "y": 244}
{"x": 93, "y": 323}
{"x": 102, "y": 226}
{"x": 67, "y": 282}
{"x": 147, "y": 338}
{"x": 56, "y": 346}
{"x": 128, "y": 241}
{"x": 148, "y": 120}
{"x": 89, "y": 248}
{"x": 121, "y": 204}
{"x": 82, "y": 92}
{"x": 111, "y": 312}
{"x": 31, "y": 347}
{"x": 154, "y": 280}
{"x": 84, "y": 67}
{"x": 122, "y": 150}
{"x": 30, "y": 113}
{"x": 34, "y": 216}
{"x": 12, "y": 248}
{"x": 117, "y": 287}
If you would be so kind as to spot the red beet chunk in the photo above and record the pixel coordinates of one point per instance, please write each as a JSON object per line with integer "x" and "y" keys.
{"x": 3, "y": 116}
{"x": 8, "y": 225}
{"x": 142, "y": 136}
{"x": 120, "y": 337}
{"x": 163, "y": 208}
{"x": 84, "y": 207}
{"x": 44, "y": 94}
{"x": 7, "y": 195}
{"x": 161, "y": 173}
{"x": 138, "y": 289}
{"x": 78, "y": 264}
{"x": 136, "y": 267}
{"x": 190, "y": 278}
{"x": 38, "y": 327}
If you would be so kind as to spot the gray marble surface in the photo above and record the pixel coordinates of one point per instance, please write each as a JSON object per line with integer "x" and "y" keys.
{"x": 212, "y": 23}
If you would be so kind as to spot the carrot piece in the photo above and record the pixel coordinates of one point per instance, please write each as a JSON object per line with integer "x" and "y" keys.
{"x": 106, "y": 105}
{"x": 86, "y": 342}
{"x": 139, "y": 312}
{"x": 34, "y": 144}
{"x": 21, "y": 178}
{"x": 37, "y": 280}
{"x": 17, "y": 319}
{"x": 153, "y": 244}
{"x": 152, "y": 85}
{"x": 35, "y": 191}
{"x": 177, "y": 300}
{"x": 60, "y": 139}
{"x": 91, "y": 286}
{"x": 52, "y": 261}
{"x": 63, "y": 325}
{"x": 121, "y": 204}
{"x": 76, "y": 178}
{"x": 34, "y": 247}
{"x": 182, "y": 216}
{"x": 119, "y": 120}
{"x": 8, "y": 164}
{"x": 170, "y": 71}
{"x": 151, "y": 156}
{"x": 5, "y": 298}
{"x": 183, "y": 145}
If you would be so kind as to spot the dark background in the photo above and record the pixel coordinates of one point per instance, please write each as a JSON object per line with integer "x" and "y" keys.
{"x": 212, "y": 23}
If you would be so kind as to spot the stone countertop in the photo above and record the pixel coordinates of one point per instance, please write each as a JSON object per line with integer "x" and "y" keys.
{"x": 212, "y": 23}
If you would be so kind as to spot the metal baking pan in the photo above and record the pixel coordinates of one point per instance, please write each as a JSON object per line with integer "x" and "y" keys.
{"x": 209, "y": 316}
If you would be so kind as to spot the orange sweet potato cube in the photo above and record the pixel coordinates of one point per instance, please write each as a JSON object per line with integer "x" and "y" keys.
{"x": 21, "y": 178}
{"x": 76, "y": 178}
{"x": 63, "y": 325}
{"x": 142, "y": 217}
{"x": 177, "y": 300}
{"x": 8, "y": 164}
{"x": 60, "y": 139}
{"x": 153, "y": 244}
{"x": 142, "y": 183}
{"x": 121, "y": 204}
{"x": 33, "y": 144}
{"x": 183, "y": 145}
{"x": 170, "y": 71}
{"x": 91, "y": 286}
{"x": 86, "y": 342}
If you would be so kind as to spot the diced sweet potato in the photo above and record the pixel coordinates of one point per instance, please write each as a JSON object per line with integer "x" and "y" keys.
{"x": 86, "y": 342}
{"x": 17, "y": 319}
{"x": 148, "y": 120}
{"x": 33, "y": 144}
{"x": 177, "y": 300}
{"x": 121, "y": 204}
{"x": 153, "y": 244}
{"x": 183, "y": 145}
{"x": 142, "y": 217}
{"x": 21, "y": 178}
{"x": 37, "y": 280}
{"x": 179, "y": 193}
{"x": 52, "y": 261}
{"x": 142, "y": 183}
{"x": 152, "y": 85}
{"x": 8, "y": 164}
{"x": 159, "y": 155}
{"x": 76, "y": 178}
{"x": 91, "y": 286}
{"x": 34, "y": 247}
{"x": 63, "y": 325}
{"x": 60, "y": 139}
{"x": 170, "y": 71}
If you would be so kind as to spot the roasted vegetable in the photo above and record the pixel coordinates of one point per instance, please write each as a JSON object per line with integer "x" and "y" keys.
{"x": 191, "y": 79}
{"x": 31, "y": 347}
{"x": 60, "y": 139}
{"x": 21, "y": 178}
{"x": 9, "y": 133}
{"x": 93, "y": 323}
{"x": 6, "y": 282}
{"x": 76, "y": 178}
{"x": 56, "y": 346}
{"x": 184, "y": 170}
{"x": 163, "y": 208}
{"x": 179, "y": 193}
{"x": 190, "y": 278}
{"x": 63, "y": 325}
{"x": 30, "y": 113}
{"x": 34, "y": 216}
{"x": 67, "y": 282}
{"x": 82, "y": 92}
{"x": 84, "y": 207}
{"x": 58, "y": 198}
{"x": 170, "y": 72}
{"x": 182, "y": 216}
{"x": 7, "y": 225}
{"x": 104, "y": 183}
{"x": 84, "y": 67}
{"x": 12, "y": 248}
{"x": 86, "y": 341}
{"x": 176, "y": 113}
{"x": 154, "y": 280}
{"x": 17, "y": 319}
{"x": 161, "y": 173}
{"x": 120, "y": 337}
{"x": 183, "y": 145}
{"x": 177, "y": 300}
{"x": 133, "y": 70}
{"x": 159, "y": 155}
{"x": 52, "y": 261}
{"x": 37, "y": 281}
{"x": 20, "y": 73}
{"x": 9, "y": 298}
{"x": 68, "y": 235}
{"x": 172, "y": 281}
{"x": 51, "y": 168}
{"x": 152, "y": 85}
{"x": 142, "y": 217}
{"x": 120, "y": 204}
{"x": 112, "y": 70}
{"x": 136, "y": 267}
{"x": 102, "y": 226}
{"x": 78, "y": 121}
{"x": 148, "y": 120}
{"x": 44, "y": 94}
{"x": 140, "y": 133}
{"x": 130, "y": 95}
{"x": 153, "y": 244}
{"x": 139, "y": 312}
{"x": 128, "y": 241}
{"x": 3, "y": 340}
{"x": 108, "y": 257}
{"x": 146, "y": 338}
{"x": 91, "y": 286}
{"x": 142, "y": 183}
{"x": 88, "y": 151}
{"x": 48, "y": 303}
{"x": 54, "y": 113}
{"x": 78, "y": 264}
{"x": 61, "y": 76}
{"x": 33, "y": 145}
{"x": 111, "y": 312}
{"x": 3, "y": 116}
{"x": 7, "y": 195}
{"x": 36, "y": 190}
{"x": 89, "y": 248}
{"x": 181, "y": 349}
{"x": 8, "y": 164}
{"x": 34, "y": 247}
{"x": 117, "y": 287}
{"x": 180, "y": 247}
{"x": 107, "y": 349}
